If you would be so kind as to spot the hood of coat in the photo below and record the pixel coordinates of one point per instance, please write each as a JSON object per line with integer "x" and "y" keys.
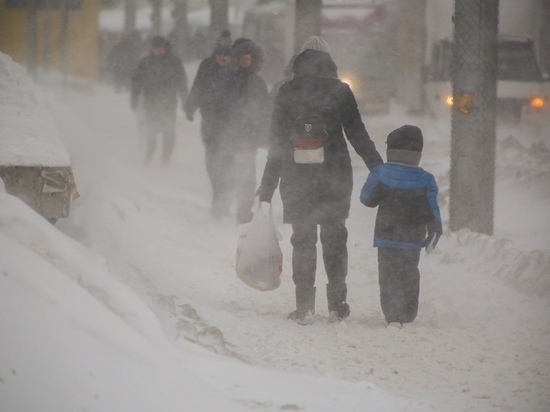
{"x": 315, "y": 63}
{"x": 247, "y": 46}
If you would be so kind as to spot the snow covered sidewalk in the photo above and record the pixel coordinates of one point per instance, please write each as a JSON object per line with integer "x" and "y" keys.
{"x": 481, "y": 341}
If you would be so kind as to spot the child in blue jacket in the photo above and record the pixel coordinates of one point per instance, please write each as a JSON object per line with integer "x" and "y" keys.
{"x": 406, "y": 196}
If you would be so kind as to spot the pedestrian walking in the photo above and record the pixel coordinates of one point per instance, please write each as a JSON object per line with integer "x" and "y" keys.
{"x": 248, "y": 125}
{"x": 124, "y": 58}
{"x": 160, "y": 78}
{"x": 406, "y": 197}
{"x": 209, "y": 95}
{"x": 315, "y": 173}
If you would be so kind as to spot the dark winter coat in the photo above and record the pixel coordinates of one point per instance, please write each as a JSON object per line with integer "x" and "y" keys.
{"x": 317, "y": 192}
{"x": 124, "y": 58}
{"x": 160, "y": 79}
{"x": 248, "y": 98}
{"x": 406, "y": 197}
{"x": 209, "y": 95}
{"x": 208, "y": 88}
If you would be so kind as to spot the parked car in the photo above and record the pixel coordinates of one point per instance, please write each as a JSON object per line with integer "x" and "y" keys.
{"x": 34, "y": 164}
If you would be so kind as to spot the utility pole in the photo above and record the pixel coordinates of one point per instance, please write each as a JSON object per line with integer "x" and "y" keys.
{"x": 307, "y": 21}
{"x": 219, "y": 10}
{"x": 130, "y": 11}
{"x": 181, "y": 30}
{"x": 473, "y": 123}
{"x": 411, "y": 48}
{"x": 64, "y": 40}
{"x": 32, "y": 7}
{"x": 156, "y": 16}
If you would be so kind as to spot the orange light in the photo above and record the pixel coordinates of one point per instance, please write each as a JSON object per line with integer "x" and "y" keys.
{"x": 537, "y": 102}
{"x": 348, "y": 81}
{"x": 449, "y": 101}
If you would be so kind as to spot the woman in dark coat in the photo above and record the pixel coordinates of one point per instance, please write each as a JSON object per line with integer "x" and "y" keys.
{"x": 246, "y": 131}
{"x": 317, "y": 194}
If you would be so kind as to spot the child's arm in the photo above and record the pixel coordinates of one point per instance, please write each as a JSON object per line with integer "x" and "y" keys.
{"x": 371, "y": 193}
{"x": 434, "y": 227}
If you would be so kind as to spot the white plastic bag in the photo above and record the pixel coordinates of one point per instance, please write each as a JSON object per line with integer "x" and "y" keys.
{"x": 259, "y": 261}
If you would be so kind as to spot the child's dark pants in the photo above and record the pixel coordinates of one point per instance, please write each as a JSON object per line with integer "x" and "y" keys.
{"x": 399, "y": 283}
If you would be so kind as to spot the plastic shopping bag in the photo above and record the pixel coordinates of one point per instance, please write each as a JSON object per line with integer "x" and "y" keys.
{"x": 259, "y": 257}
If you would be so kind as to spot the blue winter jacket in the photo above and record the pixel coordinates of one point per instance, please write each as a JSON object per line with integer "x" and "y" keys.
{"x": 406, "y": 197}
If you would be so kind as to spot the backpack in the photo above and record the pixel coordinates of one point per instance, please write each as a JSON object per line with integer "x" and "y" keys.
{"x": 309, "y": 133}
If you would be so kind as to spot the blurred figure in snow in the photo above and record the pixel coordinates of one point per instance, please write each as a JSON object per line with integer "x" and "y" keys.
{"x": 247, "y": 128}
{"x": 124, "y": 58}
{"x": 208, "y": 94}
{"x": 160, "y": 78}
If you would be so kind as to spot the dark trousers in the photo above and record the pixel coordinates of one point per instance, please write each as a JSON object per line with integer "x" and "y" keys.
{"x": 217, "y": 166}
{"x": 334, "y": 237}
{"x": 166, "y": 127}
{"x": 399, "y": 283}
{"x": 243, "y": 181}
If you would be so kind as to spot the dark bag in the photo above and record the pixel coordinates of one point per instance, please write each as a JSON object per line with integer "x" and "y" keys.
{"x": 309, "y": 133}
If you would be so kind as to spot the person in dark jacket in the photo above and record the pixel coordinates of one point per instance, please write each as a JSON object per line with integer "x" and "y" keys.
{"x": 316, "y": 194}
{"x": 248, "y": 123}
{"x": 160, "y": 78}
{"x": 124, "y": 58}
{"x": 406, "y": 196}
{"x": 209, "y": 95}
{"x": 287, "y": 76}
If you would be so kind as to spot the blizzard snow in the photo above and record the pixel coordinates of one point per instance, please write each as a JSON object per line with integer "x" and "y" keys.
{"x": 28, "y": 134}
{"x": 132, "y": 303}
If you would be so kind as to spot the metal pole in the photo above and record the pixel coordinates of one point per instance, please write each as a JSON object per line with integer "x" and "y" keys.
{"x": 307, "y": 21}
{"x": 31, "y": 37}
{"x": 129, "y": 15}
{"x": 156, "y": 16}
{"x": 219, "y": 21}
{"x": 181, "y": 31}
{"x": 473, "y": 123}
{"x": 64, "y": 41}
{"x": 412, "y": 40}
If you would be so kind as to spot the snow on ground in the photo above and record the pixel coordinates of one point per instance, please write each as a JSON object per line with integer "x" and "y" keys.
{"x": 132, "y": 303}
{"x": 28, "y": 135}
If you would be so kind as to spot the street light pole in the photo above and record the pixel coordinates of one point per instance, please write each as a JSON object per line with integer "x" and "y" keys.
{"x": 473, "y": 123}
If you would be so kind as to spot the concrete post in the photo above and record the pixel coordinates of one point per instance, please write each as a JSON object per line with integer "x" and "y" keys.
{"x": 473, "y": 124}
{"x": 307, "y": 21}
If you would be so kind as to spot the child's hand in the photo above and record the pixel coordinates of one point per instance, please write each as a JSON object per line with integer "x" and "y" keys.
{"x": 431, "y": 241}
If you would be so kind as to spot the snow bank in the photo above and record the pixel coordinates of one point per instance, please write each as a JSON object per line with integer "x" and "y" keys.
{"x": 28, "y": 134}
{"x": 525, "y": 271}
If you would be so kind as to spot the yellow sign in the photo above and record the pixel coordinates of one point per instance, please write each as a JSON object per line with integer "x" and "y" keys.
{"x": 464, "y": 103}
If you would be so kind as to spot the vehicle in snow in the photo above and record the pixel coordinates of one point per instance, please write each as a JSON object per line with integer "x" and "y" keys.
{"x": 359, "y": 35}
{"x": 522, "y": 87}
{"x": 34, "y": 164}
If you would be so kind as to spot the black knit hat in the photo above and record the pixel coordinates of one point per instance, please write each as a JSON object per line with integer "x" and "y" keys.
{"x": 223, "y": 44}
{"x": 158, "y": 41}
{"x": 406, "y": 138}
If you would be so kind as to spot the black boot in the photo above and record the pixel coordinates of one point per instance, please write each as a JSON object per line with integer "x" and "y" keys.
{"x": 338, "y": 309}
{"x": 305, "y": 306}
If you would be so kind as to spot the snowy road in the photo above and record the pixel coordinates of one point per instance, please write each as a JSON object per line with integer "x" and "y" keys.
{"x": 481, "y": 341}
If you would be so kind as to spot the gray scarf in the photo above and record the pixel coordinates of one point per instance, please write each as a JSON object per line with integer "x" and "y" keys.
{"x": 406, "y": 157}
